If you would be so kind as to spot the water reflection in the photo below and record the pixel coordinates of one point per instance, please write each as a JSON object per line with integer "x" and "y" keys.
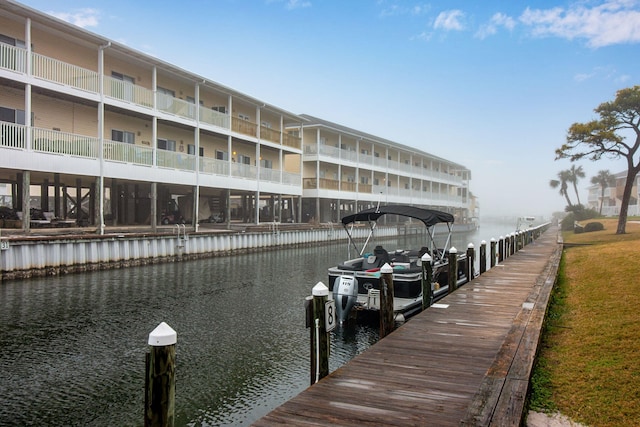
{"x": 73, "y": 346}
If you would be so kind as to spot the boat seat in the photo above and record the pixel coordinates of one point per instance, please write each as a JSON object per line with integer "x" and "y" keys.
{"x": 382, "y": 255}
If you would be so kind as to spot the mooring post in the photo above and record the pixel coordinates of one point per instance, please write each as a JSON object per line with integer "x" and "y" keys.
{"x": 471, "y": 262}
{"x": 500, "y": 249}
{"x": 513, "y": 242}
{"x": 483, "y": 256}
{"x": 308, "y": 311}
{"x": 453, "y": 269}
{"x": 320, "y": 294}
{"x": 386, "y": 300}
{"x": 427, "y": 278}
{"x": 160, "y": 394}
{"x": 492, "y": 255}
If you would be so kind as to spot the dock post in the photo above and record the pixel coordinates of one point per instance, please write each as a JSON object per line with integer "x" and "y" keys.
{"x": 483, "y": 256}
{"x": 492, "y": 255}
{"x": 386, "y": 300}
{"x": 160, "y": 389}
{"x": 513, "y": 243}
{"x": 471, "y": 262}
{"x": 453, "y": 269}
{"x": 501, "y": 249}
{"x": 308, "y": 311}
{"x": 427, "y": 278}
{"x": 320, "y": 294}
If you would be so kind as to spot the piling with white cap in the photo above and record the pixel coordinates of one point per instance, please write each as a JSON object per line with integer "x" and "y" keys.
{"x": 161, "y": 377}
{"x": 427, "y": 278}
{"x": 387, "y": 322}
{"x": 453, "y": 269}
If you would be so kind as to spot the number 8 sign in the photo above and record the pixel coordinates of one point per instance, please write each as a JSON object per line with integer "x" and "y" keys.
{"x": 330, "y": 315}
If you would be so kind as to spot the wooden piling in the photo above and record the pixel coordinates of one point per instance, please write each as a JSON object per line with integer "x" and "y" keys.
{"x": 471, "y": 262}
{"x": 386, "y": 301}
{"x": 161, "y": 378}
{"x": 320, "y": 294}
{"x": 453, "y": 269}
{"x": 309, "y": 323}
{"x": 427, "y": 278}
{"x": 483, "y": 256}
{"x": 501, "y": 249}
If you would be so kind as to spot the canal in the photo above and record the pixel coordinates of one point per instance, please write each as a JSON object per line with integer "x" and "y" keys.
{"x": 73, "y": 347}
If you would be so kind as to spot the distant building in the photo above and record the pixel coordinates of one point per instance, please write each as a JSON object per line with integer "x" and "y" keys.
{"x": 94, "y": 130}
{"x": 613, "y": 197}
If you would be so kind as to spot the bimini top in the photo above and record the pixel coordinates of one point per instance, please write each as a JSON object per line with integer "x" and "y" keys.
{"x": 428, "y": 216}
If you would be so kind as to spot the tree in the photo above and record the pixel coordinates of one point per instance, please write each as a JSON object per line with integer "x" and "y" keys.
{"x": 575, "y": 173}
{"x": 563, "y": 179}
{"x": 607, "y": 136}
{"x": 604, "y": 179}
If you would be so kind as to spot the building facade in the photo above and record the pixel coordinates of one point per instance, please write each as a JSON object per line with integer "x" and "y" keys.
{"x": 611, "y": 198}
{"x": 94, "y": 131}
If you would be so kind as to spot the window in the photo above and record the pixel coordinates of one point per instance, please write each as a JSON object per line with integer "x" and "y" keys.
{"x": 364, "y": 179}
{"x": 12, "y": 116}
{"x": 266, "y": 125}
{"x": 220, "y": 109}
{"x": 244, "y": 116}
{"x": 166, "y": 144}
{"x": 123, "y": 136}
{"x": 11, "y": 41}
{"x": 222, "y": 155}
{"x": 191, "y": 149}
{"x": 267, "y": 164}
{"x": 245, "y": 160}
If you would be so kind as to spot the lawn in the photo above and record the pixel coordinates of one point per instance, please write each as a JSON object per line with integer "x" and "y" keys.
{"x": 589, "y": 362}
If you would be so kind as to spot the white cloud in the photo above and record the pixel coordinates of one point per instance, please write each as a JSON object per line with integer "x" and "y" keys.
{"x": 297, "y": 4}
{"x": 395, "y": 8}
{"x": 82, "y": 17}
{"x": 450, "y": 20}
{"x": 497, "y": 20}
{"x": 611, "y": 22}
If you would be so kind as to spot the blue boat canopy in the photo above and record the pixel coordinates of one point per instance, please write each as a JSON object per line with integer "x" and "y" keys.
{"x": 429, "y": 217}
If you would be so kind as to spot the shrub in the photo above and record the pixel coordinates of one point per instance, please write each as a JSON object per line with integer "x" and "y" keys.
{"x": 567, "y": 222}
{"x": 593, "y": 226}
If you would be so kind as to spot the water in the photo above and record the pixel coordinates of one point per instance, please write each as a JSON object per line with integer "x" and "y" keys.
{"x": 73, "y": 347}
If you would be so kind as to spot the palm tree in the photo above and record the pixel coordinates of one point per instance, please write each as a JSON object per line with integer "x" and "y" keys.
{"x": 575, "y": 173}
{"x": 562, "y": 183}
{"x": 604, "y": 179}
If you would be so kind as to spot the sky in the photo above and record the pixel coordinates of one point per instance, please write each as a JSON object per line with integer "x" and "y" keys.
{"x": 492, "y": 85}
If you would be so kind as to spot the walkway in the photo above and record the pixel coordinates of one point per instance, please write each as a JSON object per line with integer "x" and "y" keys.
{"x": 464, "y": 361}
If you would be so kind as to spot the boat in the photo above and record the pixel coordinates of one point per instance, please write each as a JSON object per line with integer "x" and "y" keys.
{"x": 355, "y": 283}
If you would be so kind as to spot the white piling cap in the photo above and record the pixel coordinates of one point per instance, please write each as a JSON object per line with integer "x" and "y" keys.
{"x": 426, "y": 257}
{"x": 453, "y": 250}
{"x": 320, "y": 290}
{"x": 162, "y": 335}
{"x": 483, "y": 242}
{"x": 470, "y": 246}
{"x": 493, "y": 239}
{"x": 386, "y": 268}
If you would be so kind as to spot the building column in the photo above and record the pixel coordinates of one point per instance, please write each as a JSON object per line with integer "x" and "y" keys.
{"x": 26, "y": 205}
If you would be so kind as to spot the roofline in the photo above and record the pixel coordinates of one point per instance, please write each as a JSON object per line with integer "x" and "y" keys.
{"x": 64, "y": 26}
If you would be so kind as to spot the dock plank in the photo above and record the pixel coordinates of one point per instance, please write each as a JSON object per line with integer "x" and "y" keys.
{"x": 466, "y": 363}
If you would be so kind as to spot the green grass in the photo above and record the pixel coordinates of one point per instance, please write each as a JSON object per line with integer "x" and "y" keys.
{"x": 588, "y": 366}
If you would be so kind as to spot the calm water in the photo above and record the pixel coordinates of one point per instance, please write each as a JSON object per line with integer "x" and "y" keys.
{"x": 73, "y": 347}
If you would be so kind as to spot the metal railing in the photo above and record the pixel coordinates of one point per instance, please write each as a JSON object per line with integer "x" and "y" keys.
{"x": 214, "y": 166}
{"x": 240, "y": 170}
{"x": 175, "y": 106}
{"x": 173, "y": 160}
{"x": 64, "y": 73}
{"x": 13, "y": 135}
{"x": 129, "y": 92}
{"x": 215, "y": 118}
{"x": 13, "y": 58}
{"x": 127, "y": 153}
{"x": 51, "y": 141}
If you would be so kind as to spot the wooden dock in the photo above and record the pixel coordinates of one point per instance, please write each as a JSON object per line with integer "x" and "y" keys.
{"x": 465, "y": 361}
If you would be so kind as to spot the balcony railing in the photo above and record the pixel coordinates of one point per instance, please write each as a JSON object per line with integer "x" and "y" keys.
{"x": 291, "y": 140}
{"x": 243, "y": 126}
{"x": 173, "y": 160}
{"x": 64, "y": 73}
{"x": 176, "y": 106}
{"x": 215, "y": 118}
{"x": 240, "y": 170}
{"x": 50, "y": 141}
{"x": 129, "y": 92}
{"x": 348, "y": 186}
{"x": 290, "y": 178}
{"x": 12, "y": 135}
{"x": 13, "y": 58}
{"x": 364, "y": 188}
{"x": 128, "y": 153}
{"x": 269, "y": 134}
{"x": 214, "y": 166}
{"x": 271, "y": 175}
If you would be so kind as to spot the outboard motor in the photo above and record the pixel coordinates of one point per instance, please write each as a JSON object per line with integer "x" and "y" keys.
{"x": 345, "y": 294}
